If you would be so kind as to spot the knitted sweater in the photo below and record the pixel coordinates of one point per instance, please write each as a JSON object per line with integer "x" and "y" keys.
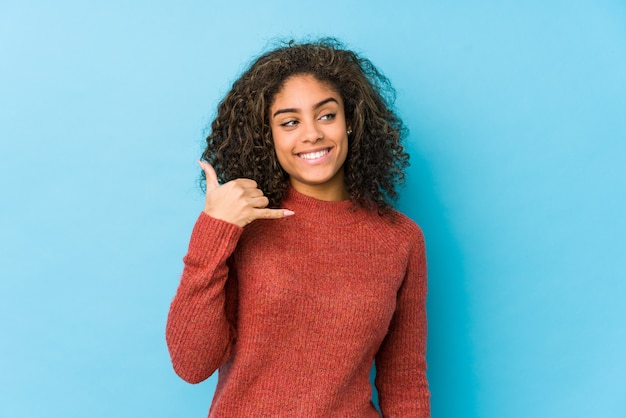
{"x": 294, "y": 311}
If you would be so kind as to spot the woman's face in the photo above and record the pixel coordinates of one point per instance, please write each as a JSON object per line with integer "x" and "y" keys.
{"x": 309, "y": 130}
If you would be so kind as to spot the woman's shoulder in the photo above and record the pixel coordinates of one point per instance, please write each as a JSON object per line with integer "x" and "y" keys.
{"x": 398, "y": 224}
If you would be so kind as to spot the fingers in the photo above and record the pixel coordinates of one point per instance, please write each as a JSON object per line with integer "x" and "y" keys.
{"x": 238, "y": 201}
{"x": 259, "y": 202}
{"x": 246, "y": 183}
{"x": 261, "y": 211}
{"x": 273, "y": 213}
{"x": 211, "y": 176}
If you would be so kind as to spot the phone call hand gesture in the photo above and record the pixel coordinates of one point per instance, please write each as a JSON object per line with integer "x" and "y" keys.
{"x": 239, "y": 201}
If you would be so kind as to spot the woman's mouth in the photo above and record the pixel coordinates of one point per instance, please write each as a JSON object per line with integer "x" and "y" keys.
{"x": 315, "y": 155}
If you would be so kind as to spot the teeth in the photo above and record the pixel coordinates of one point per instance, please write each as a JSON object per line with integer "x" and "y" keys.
{"x": 314, "y": 155}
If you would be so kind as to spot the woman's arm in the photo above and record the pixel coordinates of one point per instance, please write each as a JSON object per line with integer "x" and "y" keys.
{"x": 401, "y": 361}
{"x": 198, "y": 334}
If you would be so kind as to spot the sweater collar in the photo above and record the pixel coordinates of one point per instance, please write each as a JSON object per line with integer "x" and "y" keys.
{"x": 321, "y": 211}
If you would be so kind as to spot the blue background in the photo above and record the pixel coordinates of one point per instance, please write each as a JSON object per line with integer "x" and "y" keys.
{"x": 516, "y": 112}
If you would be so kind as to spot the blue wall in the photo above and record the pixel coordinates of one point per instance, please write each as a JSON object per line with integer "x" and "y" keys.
{"x": 516, "y": 112}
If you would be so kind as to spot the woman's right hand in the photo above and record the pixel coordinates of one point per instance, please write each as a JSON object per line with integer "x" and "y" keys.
{"x": 239, "y": 201}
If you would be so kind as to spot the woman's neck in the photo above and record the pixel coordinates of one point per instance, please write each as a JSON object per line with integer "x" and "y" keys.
{"x": 331, "y": 191}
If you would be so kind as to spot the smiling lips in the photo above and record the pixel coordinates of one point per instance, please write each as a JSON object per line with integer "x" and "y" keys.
{"x": 316, "y": 155}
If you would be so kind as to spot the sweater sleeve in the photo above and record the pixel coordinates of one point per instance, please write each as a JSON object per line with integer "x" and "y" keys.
{"x": 401, "y": 360}
{"x": 198, "y": 334}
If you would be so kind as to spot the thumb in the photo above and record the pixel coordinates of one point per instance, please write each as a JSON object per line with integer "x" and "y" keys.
{"x": 211, "y": 176}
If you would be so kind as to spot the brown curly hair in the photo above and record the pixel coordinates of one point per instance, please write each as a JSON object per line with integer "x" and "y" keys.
{"x": 240, "y": 143}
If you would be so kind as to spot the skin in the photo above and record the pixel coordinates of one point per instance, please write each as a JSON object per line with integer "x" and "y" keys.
{"x": 239, "y": 201}
{"x": 309, "y": 130}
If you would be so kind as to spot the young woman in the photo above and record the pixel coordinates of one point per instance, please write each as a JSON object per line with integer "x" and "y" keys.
{"x": 299, "y": 274}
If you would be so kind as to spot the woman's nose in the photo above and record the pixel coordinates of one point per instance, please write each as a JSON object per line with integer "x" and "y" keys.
{"x": 312, "y": 133}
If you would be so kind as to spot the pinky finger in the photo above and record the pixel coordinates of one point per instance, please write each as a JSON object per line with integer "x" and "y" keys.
{"x": 273, "y": 213}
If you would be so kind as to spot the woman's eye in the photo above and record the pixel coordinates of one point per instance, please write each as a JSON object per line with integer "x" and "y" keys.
{"x": 328, "y": 116}
{"x": 289, "y": 123}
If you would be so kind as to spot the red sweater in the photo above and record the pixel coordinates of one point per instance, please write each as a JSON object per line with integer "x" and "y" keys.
{"x": 294, "y": 311}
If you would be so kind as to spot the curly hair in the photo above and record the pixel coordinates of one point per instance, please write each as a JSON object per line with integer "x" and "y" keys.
{"x": 240, "y": 143}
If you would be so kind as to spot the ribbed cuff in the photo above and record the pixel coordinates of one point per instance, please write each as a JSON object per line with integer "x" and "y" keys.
{"x": 212, "y": 239}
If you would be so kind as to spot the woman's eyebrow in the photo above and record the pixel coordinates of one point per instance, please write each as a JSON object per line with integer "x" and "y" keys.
{"x": 294, "y": 110}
